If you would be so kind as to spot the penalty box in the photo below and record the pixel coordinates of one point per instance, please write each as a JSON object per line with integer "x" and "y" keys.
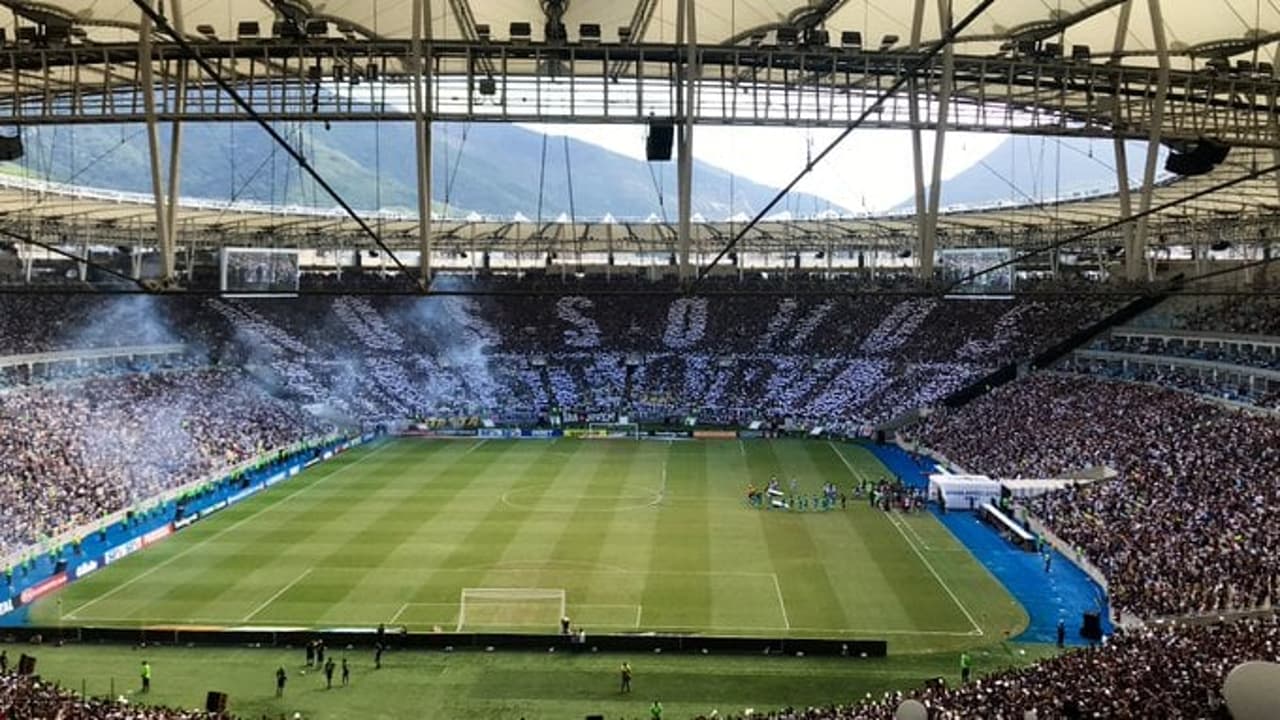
{"x": 654, "y": 599}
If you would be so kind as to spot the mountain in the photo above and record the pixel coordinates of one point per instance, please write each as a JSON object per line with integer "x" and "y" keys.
{"x": 1028, "y": 169}
{"x": 488, "y": 168}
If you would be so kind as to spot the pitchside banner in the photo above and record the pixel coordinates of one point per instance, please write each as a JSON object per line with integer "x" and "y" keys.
{"x": 43, "y": 588}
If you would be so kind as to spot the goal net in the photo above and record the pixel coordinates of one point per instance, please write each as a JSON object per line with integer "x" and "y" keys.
{"x": 614, "y": 430}
{"x": 511, "y": 607}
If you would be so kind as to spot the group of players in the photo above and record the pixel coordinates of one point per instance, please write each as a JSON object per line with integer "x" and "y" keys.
{"x": 883, "y": 494}
{"x": 773, "y": 497}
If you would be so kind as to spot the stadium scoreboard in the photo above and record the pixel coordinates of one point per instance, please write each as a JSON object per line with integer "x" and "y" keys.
{"x": 259, "y": 272}
{"x": 978, "y": 271}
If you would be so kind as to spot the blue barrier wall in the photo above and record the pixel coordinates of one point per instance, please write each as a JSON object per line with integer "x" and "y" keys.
{"x": 1063, "y": 592}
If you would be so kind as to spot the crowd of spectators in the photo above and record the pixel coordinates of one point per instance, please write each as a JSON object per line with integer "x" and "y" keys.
{"x": 26, "y": 696}
{"x": 1184, "y": 526}
{"x": 1173, "y": 672}
{"x": 73, "y": 449}
{"x": 844, "y": 360}
{"x": 1230, "y": 353}
{"x": 75, "y": 452}
{"x": 1182, "y": 529}
{"x": 1222, "y": 385}
{"x": 1233, "y": 375}
{"x": 1242, "y": 314}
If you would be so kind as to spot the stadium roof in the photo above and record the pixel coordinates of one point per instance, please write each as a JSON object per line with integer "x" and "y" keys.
{"x": 1195, "y": 28}
{"x": 27, "y": 205}
{"x": 96, "y": 54}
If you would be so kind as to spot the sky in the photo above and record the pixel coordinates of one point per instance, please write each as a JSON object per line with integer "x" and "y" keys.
{"x": 870, "y": 171}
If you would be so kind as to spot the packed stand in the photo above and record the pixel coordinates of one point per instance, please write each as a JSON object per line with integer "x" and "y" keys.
{"x": 25, "y": 696}
{"x": 822, "y": 356}
{"x": 1246, "y": 355}
{"x": 1231, "y": 386}
{"x": 31, "y": 323}
{"x": 1244, "y": 315}
{"x": 1184, "y": 526}
{"x": 1233, "y": 376}
{"x": 76, "y": 452}
{"x": 1170, "y": 672}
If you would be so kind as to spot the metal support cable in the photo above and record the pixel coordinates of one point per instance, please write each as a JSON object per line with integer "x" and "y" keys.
{"x": 163, "y": 24}
{"x": 908, "y": 75}
{"x": 1224, "y": 185}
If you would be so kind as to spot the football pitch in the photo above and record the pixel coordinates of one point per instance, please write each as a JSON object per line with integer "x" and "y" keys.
{"x": 624, "y": 536}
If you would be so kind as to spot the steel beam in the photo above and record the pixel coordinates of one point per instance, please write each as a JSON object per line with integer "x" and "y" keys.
{"x": 175, "y": 138}
{"x": 1120, "y": 151}
{"x": 146, "y": 70}
{"x": 929, "y": 241}
{"x": 917, "y": 144}
{"x": 686, "y": 98}
{"x": 1135, "y": 252}
{"x": 422, "y": 129}
{"x": 99, "y": 83}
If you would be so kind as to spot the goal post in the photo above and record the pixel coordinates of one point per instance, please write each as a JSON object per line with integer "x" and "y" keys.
{"x": 511, "y": 607}
{"x": 620, "y": 430}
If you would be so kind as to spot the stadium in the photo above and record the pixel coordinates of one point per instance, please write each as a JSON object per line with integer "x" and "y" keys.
{"x": 347, "y": 372}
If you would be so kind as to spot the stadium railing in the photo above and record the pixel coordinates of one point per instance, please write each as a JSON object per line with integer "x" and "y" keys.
{"x": 54, "y": 357}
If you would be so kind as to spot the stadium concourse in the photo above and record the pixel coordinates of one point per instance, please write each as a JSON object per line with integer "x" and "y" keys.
{"x": 1182, "y": 530}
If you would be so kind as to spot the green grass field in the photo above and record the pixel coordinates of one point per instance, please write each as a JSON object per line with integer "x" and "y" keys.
{"x": 633, "y": 536}
{"x": 499, "y": 685}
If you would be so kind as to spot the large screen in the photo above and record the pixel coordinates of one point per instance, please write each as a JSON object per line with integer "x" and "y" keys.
{"x": 962, "y": 264}
{"x": 259, "y": 271}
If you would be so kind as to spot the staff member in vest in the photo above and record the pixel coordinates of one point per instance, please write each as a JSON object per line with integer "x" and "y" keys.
{"x": 626, "y": 677}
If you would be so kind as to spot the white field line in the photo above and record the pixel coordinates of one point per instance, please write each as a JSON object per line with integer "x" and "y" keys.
{"x": 373, "y": 622}
{"x": 839, "y": 632}
{"x": 559, "y": 569}
{"x": 219, "y": 622}
{"x": 399, "y": 612}
{"x": 587, "y": 571}
{"x": 781, "y": 605}
{"x": 475, "y": 447}
{"x": 856, "y": 472}
{"x": 276, "y": 596}
{"x": 914, "y": 533}
{"x": 72, "y": 615}
{"x": 576, "y": 609}
{"x": 662, "y": 491}
{"x": 936, "y": 576}
{"x": 852, "y": 469}
{"x": 894, "y": 522}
